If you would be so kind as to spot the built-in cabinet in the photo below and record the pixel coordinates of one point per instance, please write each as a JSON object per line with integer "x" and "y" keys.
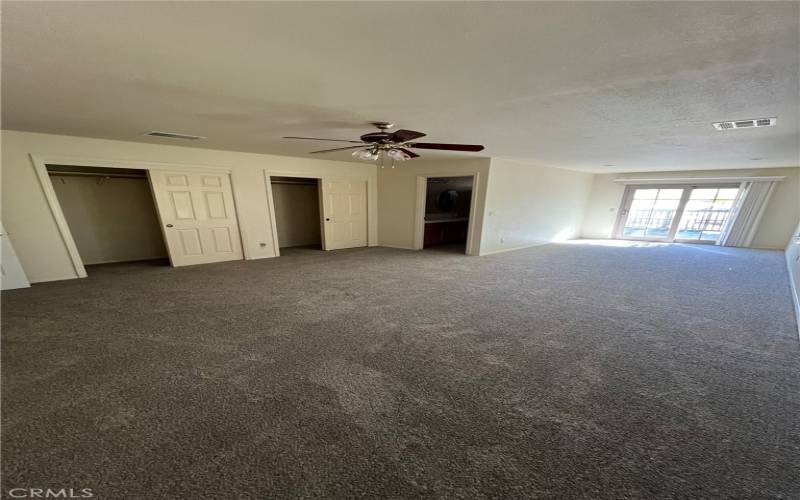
{"x": 446, "y": 232}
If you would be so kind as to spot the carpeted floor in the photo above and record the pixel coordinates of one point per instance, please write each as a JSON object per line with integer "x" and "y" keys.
{"x": 563, "y": 371}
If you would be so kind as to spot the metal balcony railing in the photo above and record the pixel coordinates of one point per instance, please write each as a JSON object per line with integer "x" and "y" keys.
{"x": 704, "y": 220}
{"x": 692, "y": 220}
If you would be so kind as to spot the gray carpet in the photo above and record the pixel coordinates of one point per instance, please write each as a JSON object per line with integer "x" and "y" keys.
{"x": 564, "y": 371}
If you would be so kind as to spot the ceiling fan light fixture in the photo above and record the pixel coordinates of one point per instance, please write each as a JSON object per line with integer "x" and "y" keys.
{"x": 383, "y": 145}
{"x": 365, "y": 154}
{"x": 397, "y": 155}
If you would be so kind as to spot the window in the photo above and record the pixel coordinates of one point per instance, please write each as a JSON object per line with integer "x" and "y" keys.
{"x": 651, "y": 212}
{"x": 669, "y": 213}
{"x": 706, "y": 213}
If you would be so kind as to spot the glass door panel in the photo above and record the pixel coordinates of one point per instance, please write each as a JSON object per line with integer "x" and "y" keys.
{"x": 706, "y": 212}
{"x": 651, "y": 213}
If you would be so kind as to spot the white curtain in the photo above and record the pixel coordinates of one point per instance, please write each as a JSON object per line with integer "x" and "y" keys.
{"x": 742, "y": 225}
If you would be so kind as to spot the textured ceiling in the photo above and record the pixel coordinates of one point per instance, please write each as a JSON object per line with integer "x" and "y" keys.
{"x": 572, "y": 85}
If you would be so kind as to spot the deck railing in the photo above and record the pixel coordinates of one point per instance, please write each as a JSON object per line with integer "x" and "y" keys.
{"x": 692, "y": 220}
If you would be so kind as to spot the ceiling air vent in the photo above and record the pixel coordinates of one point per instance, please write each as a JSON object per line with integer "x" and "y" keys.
{"x": 753, "y": 123}
{"x": 172, "y": 135}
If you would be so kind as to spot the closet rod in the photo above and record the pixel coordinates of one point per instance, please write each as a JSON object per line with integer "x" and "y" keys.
{"x": 94, "y": 174}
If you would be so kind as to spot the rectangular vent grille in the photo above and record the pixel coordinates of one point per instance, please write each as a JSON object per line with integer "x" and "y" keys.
{"x": 754, "y": 123}
{"x": 172, "y": 135}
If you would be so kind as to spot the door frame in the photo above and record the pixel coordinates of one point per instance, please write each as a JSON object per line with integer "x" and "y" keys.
{"x": 627, "y": 199}
{"x": 419, "y": 209}
{"x": 371, "y": 241}
{"x": 40, "y": 167}
{"x": 268, "y": 175}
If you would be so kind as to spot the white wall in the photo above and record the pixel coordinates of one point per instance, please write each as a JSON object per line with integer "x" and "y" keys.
{"x": 111, "y": 219}
{"x": 773, "y": 232}
{"x": 529, "y": 205}
{"x": 41, "y": 250}
{"x": 297, "y": 214}
{"x": 397, "y": 197}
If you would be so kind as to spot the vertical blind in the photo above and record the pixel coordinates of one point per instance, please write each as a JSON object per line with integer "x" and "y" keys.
{"x": 747, "y": 214}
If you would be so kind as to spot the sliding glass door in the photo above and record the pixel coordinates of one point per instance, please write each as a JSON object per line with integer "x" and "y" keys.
{"x": 676, "y": 213}
{"x": 706, "y": 213}
{"x": 651, "y": 213}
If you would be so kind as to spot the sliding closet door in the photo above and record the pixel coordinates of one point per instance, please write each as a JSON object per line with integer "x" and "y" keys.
{"x": 197, "y": 215}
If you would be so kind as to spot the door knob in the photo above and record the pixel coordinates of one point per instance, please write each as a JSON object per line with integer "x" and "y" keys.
{"x": 169, "y": 225}
{"x": 327, "y": 219}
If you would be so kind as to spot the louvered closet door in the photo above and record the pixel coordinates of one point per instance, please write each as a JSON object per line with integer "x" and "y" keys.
{"x": 198, "y": 216}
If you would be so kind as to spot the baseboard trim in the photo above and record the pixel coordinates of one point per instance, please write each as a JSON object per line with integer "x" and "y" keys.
{"x": 60, "y": 278}
{"x": 504, "y": 250}
{"x": 122, "y": 261}
{"x": 399, "y": 247}
{"x": 795, "y": 295}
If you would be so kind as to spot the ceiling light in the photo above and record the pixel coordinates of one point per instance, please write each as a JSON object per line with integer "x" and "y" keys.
{"x": 365, "y": 154}
{"x": 397, "y": 155}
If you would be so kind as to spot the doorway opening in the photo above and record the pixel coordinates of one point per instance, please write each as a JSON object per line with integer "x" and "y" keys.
{"x": 298, "y": 212}
{"x": 110, "y": 213}
{"x": 684, "y": 214}
{"x": 448, "y": 202}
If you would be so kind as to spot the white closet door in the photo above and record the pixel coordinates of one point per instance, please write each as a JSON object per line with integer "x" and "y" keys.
{"x": 198, "y": 216}
{"x": 11, "y": 273}
{"x": 345, "y": 213}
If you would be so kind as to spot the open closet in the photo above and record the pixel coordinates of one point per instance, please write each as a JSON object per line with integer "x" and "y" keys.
{"x": 297, "y": 211}
{"x": 110, "y": 213}
{"x": 173, "y": 217}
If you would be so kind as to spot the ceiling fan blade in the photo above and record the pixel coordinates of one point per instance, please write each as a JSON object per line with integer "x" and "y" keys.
{"x": 318, "y": 139}
{"x": 338, "y": 149}
{"x": 409, "y": 152}
{"x": 406, "y": 135}
{"x": 446, "y": 147}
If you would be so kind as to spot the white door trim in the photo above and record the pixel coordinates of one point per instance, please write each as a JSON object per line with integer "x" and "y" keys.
{"x": 419, "y": 208}
{"x": 40, "y": 167}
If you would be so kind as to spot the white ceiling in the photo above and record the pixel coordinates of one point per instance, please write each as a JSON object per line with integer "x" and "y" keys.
{"x": 572, "y": 85}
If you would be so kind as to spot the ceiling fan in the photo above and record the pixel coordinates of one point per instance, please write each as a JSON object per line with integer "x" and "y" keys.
{"x": 393, "y": 145}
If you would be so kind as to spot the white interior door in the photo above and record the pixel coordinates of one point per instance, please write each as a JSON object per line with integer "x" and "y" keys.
{"x": 344, "y": 210}
{"x": 197, "y": 215}
{"x": 11, "y": 273}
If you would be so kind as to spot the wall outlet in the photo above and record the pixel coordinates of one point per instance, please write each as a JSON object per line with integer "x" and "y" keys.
{"x": 502, "y": 240}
